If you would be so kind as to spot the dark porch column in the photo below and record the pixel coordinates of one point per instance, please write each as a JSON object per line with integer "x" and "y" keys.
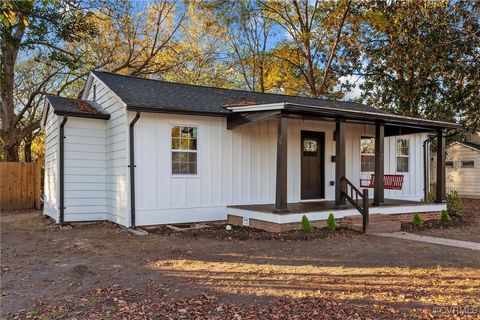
{"x": 339, "y": 161}
{"x": 440, "y": 166}
{"x": 281, "y": 181}
{"x": 378, "y": 192}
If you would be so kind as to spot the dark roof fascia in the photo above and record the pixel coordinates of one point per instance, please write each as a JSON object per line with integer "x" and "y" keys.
{"x": 102, "y": 116}
{"x": 176, "y": 111}
{"x": 470, "y": 144}
{"x": 370, "y": 116}
{"x": 323, "y": 111}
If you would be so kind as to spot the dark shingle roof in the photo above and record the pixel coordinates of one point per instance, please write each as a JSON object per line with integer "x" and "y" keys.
{"x": 157, "y": 95}
{"x": 77, "y": 107}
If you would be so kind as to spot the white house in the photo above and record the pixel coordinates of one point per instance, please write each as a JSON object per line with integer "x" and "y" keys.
{"x": 142, "y": 152}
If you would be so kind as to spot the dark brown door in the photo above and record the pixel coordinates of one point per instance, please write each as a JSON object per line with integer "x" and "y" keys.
{"x": 313, "y": 165}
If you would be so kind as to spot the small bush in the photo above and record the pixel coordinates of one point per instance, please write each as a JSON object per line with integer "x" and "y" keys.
{"x": 306, "y": 224}
{"x": 453, "y": 202}
{"x": 445, "y": 217}
{"x": 331, "y": 224}
{"x": 431, "y": 197}
{"x": 417, "y": 220}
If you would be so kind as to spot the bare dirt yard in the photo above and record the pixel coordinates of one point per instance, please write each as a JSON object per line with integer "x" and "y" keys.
{"x": 101, "y": 271}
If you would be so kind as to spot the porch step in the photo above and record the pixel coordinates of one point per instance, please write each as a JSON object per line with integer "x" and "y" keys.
{"x": 379, "y": 226}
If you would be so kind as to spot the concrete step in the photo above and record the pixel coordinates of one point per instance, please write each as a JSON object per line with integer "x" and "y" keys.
{"x": 379, "y": 227}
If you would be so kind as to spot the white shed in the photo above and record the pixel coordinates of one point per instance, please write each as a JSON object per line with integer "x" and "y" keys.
{"x": 463, "y": 166}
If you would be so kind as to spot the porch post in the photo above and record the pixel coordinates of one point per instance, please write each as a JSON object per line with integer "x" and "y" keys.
{"x": 281, "y": 181}
{"x": 440, "y": 166}
{"x": 378, "y": 192}
{"x": 339, "y": 162}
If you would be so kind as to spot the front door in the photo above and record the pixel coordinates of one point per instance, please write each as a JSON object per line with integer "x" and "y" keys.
{"x": 313, "y": 165}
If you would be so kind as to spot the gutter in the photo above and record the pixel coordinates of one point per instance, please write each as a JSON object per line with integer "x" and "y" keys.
{"x": 62, "y": 170}
{"x": 103, "y": 116}
{"x": 132, "y": 170}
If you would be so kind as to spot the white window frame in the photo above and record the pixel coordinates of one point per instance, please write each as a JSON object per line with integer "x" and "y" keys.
{"x": 402, "y": 156}
{"x": 366, "y": 154}
{"x": 183, "y": 175}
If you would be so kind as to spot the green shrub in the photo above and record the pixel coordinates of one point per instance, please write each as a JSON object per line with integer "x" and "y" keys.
{"x": 331, "y": 224}
{"x": 306, "y": 224}
{"x": 431, "y": 197}
{"x": 445, "y": 217}
{"x": 417, "y": 220}
{"x": 453, "y": 202}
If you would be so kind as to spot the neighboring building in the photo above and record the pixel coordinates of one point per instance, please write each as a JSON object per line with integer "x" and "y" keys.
{"x": 143, "y": 152}
{"x": 463, "y": 166}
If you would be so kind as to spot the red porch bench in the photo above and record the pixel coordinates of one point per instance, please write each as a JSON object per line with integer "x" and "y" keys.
{"x": 390, "y": 181}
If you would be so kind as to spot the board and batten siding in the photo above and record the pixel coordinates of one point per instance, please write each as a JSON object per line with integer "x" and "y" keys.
{"x": 116, "y": 151}
{"x": 85, "y": 170}
{"x": 51, "y": 186}
{"x": 238, "y": 166}
{"x": 466, "y": 181}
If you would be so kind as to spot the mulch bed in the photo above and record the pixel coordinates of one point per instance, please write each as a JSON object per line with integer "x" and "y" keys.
{"x": 218, "y": 231}
{"x": 462, "y": 220}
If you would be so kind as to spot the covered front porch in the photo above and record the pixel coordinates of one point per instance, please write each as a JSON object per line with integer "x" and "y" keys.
{"x": 348, "y": 199}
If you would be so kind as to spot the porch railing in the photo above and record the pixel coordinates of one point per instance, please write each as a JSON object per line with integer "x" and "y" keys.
{"x": 353, "y": 195}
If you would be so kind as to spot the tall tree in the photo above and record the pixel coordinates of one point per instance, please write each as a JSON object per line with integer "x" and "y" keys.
{"x": 421, "y": 59}
{"x": 134, "y": 38}
{"x": 200, "y": 54}
{"x": 314, "y": 30}
{"x": 248, "y": 35}
{"x": 33, "y": 31}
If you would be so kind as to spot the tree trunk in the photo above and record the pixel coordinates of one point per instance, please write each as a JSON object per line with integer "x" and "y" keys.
{"x": 11, "y": 152}
{"x": 9, "y": 46}
{"x": 334, "y": 47}
{"x": 311, "y": 74}
{"x": 27, "y": 148}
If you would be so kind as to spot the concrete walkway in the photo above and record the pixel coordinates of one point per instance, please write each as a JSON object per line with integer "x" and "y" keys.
{"x": 434, "y": 240}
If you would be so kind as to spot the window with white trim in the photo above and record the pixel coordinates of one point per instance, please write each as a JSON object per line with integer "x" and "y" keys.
{"x": 184, "y": 150}
{"x": 403, "y": 154}
{"x": 367, "y": 154}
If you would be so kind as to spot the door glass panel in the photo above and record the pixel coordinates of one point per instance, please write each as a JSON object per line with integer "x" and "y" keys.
{"x": 310, "y": 145}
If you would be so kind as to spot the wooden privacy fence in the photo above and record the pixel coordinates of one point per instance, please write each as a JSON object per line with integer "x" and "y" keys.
{"x": 20, "y": 185}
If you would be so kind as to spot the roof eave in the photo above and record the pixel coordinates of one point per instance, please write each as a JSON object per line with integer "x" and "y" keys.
{"x": 101, "y": 116}
{"x": 371, "y": 116}
{"x": 176, "y": 111}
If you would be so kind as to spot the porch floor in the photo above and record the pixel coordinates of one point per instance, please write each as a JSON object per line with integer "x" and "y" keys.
{"x": 315, "y": 206}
